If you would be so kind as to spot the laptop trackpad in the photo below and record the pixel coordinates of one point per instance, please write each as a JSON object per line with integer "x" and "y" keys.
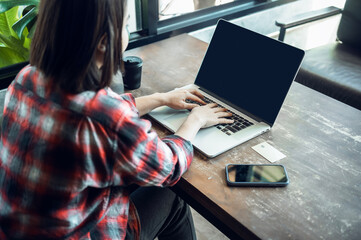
{"x": 177, "y": 119}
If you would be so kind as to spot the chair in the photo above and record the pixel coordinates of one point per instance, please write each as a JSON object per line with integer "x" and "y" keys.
{"x": 333, "y": 69}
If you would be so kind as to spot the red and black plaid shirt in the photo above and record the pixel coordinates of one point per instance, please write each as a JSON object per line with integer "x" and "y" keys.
{"x": 66, "y": 161}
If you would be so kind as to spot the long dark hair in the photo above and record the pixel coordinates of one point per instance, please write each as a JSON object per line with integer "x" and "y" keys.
{"x": 66, "y": 38}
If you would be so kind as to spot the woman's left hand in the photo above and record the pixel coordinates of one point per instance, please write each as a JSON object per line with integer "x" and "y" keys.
{"x": 177, "y": 98}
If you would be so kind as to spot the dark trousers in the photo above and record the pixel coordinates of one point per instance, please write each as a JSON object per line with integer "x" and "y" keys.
{"x": 162, "y": 214}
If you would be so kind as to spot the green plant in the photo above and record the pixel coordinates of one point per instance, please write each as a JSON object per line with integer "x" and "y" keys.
{"x": 17, "y": 20}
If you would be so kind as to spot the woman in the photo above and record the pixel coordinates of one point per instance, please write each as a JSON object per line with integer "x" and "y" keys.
{"x": 72, "y": 149}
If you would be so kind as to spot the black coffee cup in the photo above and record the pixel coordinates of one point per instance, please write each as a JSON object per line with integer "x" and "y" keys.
{"x": 132, "y": 72}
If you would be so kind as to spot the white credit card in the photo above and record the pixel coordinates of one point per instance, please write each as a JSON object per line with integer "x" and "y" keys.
{"x": 268, "y": 152}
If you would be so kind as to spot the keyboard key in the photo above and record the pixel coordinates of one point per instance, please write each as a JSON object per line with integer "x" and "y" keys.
{"x": 231, "y": 129}
{"x": 237, "y": 128}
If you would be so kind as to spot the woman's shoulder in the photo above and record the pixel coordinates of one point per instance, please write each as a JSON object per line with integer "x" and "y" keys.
{"x": 103, "y": 106}
{"x": 27, "y": 76}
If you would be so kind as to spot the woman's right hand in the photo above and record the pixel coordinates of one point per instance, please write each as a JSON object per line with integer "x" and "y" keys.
{"x": 202, "y": 117}
{"x": 209, "y": 115}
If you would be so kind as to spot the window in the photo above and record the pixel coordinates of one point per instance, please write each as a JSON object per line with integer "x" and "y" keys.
{"x": 160, "y": 19}
{"x": 135, "y": 21}
{"x": 172, "y": 8}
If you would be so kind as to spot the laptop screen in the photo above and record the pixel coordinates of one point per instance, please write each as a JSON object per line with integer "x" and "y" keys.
{"x": 249, "y": 70}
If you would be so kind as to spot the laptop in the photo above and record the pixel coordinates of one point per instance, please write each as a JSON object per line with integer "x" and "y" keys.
{"x": 247, "y": 73}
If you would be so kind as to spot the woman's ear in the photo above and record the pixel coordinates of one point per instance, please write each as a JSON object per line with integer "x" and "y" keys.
{"x": 100, "y": 51}
{"x": 102, "y": 44}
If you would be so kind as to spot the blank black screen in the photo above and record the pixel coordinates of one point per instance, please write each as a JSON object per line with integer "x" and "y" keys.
{"x": 256, "y": 173}
{"x": 249, "y": 70}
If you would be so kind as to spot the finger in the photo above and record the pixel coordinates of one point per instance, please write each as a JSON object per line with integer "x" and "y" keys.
{"x": 212, "y": 105}
{"x": 190, "y": 105}
{"x": 225, "y": 121}
{"x": 219, "y": 109}
{"x": 224, "y": 114}
{"x": 195, "y": 98}
{"x": 197, "y": 93}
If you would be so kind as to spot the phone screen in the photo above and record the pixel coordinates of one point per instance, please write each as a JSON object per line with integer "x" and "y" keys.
{"x": 245, "y": 174}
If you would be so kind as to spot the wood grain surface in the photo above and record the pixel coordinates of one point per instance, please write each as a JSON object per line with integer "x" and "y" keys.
{"x": 320, "y": 136}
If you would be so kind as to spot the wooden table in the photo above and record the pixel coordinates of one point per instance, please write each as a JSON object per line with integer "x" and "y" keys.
{"x": 320, "y": 136}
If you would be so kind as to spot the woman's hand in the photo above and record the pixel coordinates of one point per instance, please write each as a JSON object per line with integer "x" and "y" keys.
{"x": 209, "y": 115}
{"x": 177, "y": 98}
{"x": 202, "y": 117}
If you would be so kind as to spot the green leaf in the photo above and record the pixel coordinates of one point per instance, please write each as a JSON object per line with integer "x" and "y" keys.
{"x": 32, "y": 30}
{"x": 15, "y": 44}
{"x": 6, "y": 5}
{"x": 9, "y": 56}
{"x": 7, "y": 19}
{"x": 21, "y": 24}
{"x": 14, "y": 29}
{"x": 26, "y": 41}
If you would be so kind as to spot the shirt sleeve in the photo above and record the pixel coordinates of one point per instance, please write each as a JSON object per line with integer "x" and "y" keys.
{"x": 143, "y": 158}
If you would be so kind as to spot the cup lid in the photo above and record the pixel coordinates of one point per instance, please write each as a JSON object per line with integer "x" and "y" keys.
{"x": 133, "y": 61}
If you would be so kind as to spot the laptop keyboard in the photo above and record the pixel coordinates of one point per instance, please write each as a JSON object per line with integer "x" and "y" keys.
{"x": 229, "y": 129}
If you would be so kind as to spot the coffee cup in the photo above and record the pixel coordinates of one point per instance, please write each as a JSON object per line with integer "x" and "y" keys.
{"x": 132, "y": 72}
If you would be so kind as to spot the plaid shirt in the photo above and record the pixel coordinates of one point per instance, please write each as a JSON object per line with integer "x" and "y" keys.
{"x": 67, "y": 161}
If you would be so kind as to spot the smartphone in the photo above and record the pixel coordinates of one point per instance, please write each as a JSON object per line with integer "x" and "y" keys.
{"x": 262, "y": 175}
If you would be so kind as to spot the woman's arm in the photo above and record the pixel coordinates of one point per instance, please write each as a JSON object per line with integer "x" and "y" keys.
{"x": 148, "y": 103}
{"x": 145, "y": 159}
{"x": 175, "y": 99}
